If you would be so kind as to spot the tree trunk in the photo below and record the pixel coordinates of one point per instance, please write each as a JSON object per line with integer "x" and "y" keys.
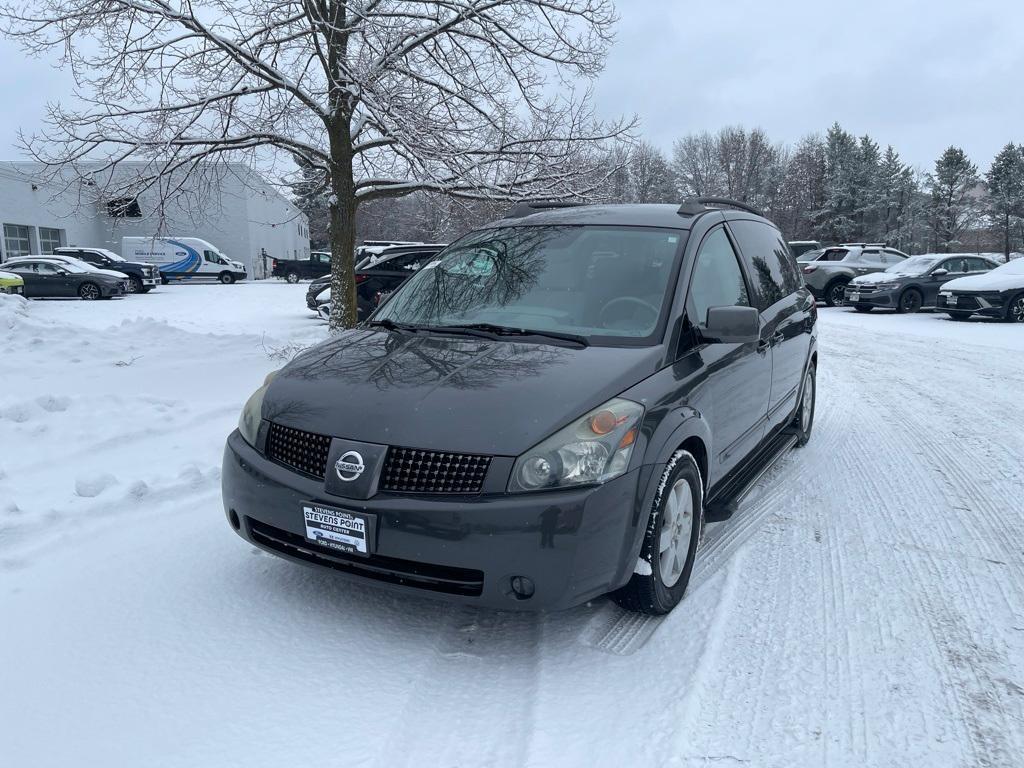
{"x": 1006, "y": 236}
{"x": 343, "y": 246}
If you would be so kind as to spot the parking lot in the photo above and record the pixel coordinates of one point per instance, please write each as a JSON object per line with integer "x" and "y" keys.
{"x": 863, "y": 607}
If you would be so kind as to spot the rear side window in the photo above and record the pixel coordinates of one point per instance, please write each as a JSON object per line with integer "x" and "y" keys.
{"x": 769, "y": 261}
{"x": 834, "y": 254}
{"x": 717, "y": 279}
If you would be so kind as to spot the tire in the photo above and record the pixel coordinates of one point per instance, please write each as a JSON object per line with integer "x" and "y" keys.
{"x": 1015, "y": 309}
{"x": 227, "y": 278}
{"x": 910, "y": 302}
{"x": 292, "y": 277}
{"x": 835, "y": 293}
{"x": 959, "y": 315}
{"x": 163, "y": 279}
{"x": 135, "y": 285}
{"x": 863, "y": 307}
{"x": 680, "y": 502}
{"x": 89, "y": 292}
{"x": 803, "y": 419}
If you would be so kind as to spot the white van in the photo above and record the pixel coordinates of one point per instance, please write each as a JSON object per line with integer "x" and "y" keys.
{"x": 180, "y": 258}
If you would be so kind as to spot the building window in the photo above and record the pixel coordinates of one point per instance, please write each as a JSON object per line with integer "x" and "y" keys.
{"x": 17, "y": 240}
{"x": 124, "y": 208}
{"x": 50, "y": 239}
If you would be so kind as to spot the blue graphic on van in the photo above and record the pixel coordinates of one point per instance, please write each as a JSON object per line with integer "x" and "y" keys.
{"x": 190, "y": 263}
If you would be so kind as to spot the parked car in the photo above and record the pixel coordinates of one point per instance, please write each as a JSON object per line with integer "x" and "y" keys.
{"x": 913, "y": 284}
{"x": 49, "y": 277}
{"x": 999, "y": 293}
{"x": 544, "y": 415}
{"x": 66, "y": 260}
{"x": 11, "y": 283}
{"x": 317, "y": 264}
{"x": 183, "y": 258}
{"x": 800, "y": 247}
{"x": 377, "y": 280}
{"x": 142, "y": 278}
{"x": 828, "y": 274}
{"x": 809, "y": 255}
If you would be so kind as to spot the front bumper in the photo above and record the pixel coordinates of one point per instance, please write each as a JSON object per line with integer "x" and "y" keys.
{"x": 573, "y": 545}
{"x": 976, "y": 304}
{"x": 867, "y": 296}
{"x": 120, "y": 289}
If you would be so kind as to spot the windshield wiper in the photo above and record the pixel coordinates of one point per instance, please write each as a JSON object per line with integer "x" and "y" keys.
{"x": 488, "y": 330}
{"x": 391, "y": 325}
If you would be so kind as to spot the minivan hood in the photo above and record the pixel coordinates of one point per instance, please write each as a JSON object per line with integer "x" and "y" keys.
{"x": 449, "y": 393}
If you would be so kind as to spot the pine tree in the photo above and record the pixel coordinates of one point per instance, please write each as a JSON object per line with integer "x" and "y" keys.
{"x": 866, "y": 202}
{"x": 954, "y": 205}
{"x": 837, "y": 217}
{"x": 1004, "y": 199}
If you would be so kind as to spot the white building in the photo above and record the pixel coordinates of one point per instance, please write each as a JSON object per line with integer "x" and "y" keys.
{"x": 234, "y": 208}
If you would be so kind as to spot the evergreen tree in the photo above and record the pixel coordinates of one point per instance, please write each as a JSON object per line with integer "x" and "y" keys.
{"x": 954, "y": 203}
{"x": 1004, "y": 199}
{"x": 837, "y": 217}
{"x": 866, "y": 193}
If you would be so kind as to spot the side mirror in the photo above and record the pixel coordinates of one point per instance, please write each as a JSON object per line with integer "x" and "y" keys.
{"x": 940, "y": 272}
{"x": 732, "y": 325}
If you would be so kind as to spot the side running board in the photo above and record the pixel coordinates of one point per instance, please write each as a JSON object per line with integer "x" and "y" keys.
{"x": 728, "y": 499}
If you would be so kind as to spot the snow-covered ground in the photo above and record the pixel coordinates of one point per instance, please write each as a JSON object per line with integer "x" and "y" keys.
{"x": 864, "y": 608}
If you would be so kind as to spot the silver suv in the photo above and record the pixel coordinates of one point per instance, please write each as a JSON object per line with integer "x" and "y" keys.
{"x": 827, "y": 275}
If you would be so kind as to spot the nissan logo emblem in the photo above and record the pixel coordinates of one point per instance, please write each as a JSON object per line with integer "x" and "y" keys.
{"x": 350, "y": 466}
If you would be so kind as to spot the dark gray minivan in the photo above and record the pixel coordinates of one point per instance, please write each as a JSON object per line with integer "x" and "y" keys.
{"x": 546, "y": 412}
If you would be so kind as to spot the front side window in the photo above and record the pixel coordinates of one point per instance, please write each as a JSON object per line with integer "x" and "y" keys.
{"x": 717, "y": 279}
{"x": 606, "y": 283}
{"x": 212, "y": 257}
{"x": 768, "y": 260}
{"x": 17, "y": 240}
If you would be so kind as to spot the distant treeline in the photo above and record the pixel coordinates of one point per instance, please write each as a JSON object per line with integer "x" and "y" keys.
{"x": 835, "y": 188}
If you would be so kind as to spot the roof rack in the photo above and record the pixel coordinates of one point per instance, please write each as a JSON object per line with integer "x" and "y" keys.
{"x": 698, "y": 205}
{"x": 527, "y": 207}
{"x": 862, "y": 245}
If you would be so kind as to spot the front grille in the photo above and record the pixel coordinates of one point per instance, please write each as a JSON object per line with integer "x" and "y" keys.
{"x": 305, "y": 452}
{"x": 436, "y": 578}
{"x": 407, "y": 470}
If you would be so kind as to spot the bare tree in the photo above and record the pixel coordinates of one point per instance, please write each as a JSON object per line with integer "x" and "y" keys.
{"x": 695, "y": 163}
{"x": 650, "y": 175}
{"x": 380, "y": 98}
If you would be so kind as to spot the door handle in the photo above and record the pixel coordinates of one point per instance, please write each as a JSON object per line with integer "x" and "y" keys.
{"x": 778, "y": 338}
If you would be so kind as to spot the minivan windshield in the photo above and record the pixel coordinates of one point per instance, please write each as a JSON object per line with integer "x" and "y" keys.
{"x": 602, "y": 283}
{"x": 914, "y": 266}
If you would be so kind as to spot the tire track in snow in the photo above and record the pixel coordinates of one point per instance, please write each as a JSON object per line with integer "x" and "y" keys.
{"x": 951, "y": 603}
{"x": 446, "y": 722}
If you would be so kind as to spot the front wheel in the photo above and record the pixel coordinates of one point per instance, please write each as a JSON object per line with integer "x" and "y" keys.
{"x": 226, "y": 278}
{"x": 835, "y": 294}
{"x": 670, "y": 544}
{"x": 292, "y": 277}
{"x": 1015, "y": 309}
{"x": 910, "y": 302}
{"x": 89, "y": 291}
{"x": 135, "y": 285}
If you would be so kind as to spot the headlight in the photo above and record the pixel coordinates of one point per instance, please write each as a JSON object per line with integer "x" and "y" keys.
{"x": 887, "y": 286}
{"x": 249, "y": 421}
{"x": 593, "y": 449}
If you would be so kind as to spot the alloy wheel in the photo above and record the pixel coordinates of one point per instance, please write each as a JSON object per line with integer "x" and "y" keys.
{"x": 1017, "y": 310}
{"x": 807, "y": 408}
{"x": 676, "y": 532}
{"x": 89, "y": 291}
{"x": 910, "y": 302}
{"x": 839, "y": 295}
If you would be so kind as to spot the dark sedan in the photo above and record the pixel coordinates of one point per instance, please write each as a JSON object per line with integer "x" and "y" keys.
{"x": 914, "y": 284}
{"x": 998, "y": 294}
{"x": 49, "y": 279}
{"x": 377, "y": 278}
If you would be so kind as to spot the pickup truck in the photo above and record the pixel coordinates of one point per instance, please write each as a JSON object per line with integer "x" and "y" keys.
{"x": 317, "y": 264}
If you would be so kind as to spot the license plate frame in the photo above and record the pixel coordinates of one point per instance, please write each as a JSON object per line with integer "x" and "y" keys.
{"x": 343, "y": 530}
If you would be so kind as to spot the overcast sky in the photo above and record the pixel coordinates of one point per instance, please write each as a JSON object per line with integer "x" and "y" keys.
{"x": 918, "y": 74}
